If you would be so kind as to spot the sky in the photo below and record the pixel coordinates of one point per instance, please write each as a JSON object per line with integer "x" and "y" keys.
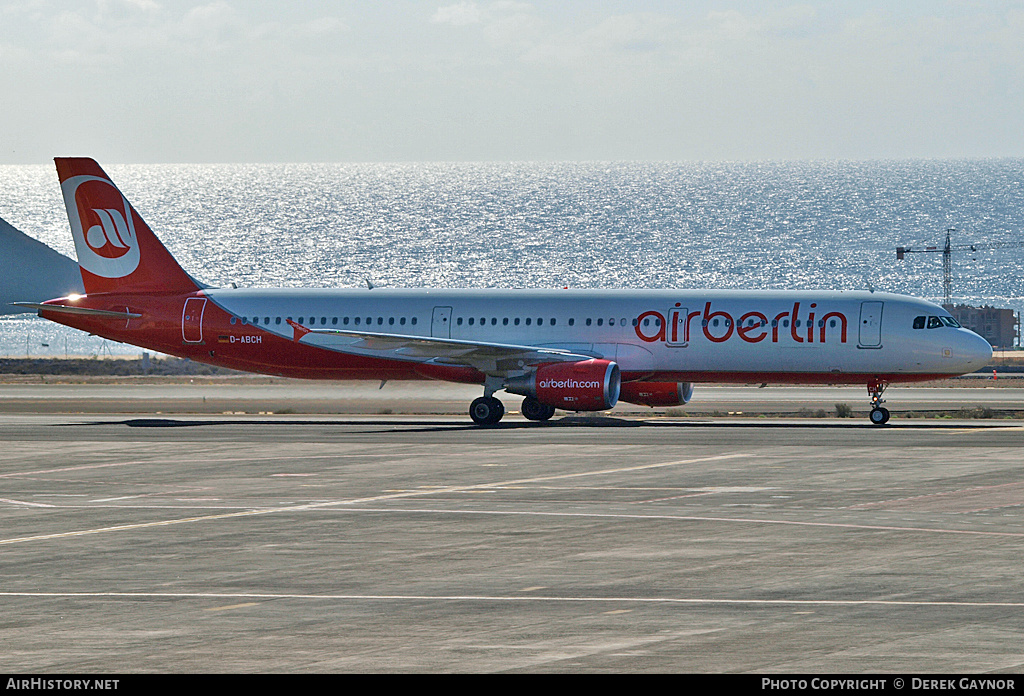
{"x": 150, "y": 81}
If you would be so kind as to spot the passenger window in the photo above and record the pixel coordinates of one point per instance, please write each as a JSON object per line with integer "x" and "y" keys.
{"x": 414, "y": 321}
{"x": 919, "y": 322}
{"x": 588, "y": 321}
{"x": 600, "y": 322}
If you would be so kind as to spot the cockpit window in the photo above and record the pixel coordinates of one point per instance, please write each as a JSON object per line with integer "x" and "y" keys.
{"x": 938, "y": 322}
{"x": 919, "y": 322}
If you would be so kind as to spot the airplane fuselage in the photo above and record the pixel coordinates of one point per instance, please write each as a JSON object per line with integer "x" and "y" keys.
{"x": 653, "y": 335}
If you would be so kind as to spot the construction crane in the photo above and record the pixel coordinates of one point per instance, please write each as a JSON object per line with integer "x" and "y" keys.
{"x": 947, "y": 257}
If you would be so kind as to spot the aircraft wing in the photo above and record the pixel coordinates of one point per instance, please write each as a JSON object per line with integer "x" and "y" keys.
{"x": 489, "y": 358}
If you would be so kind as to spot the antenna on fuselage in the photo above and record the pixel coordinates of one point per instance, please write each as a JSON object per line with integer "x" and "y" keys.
{"x": 369, "y": 284}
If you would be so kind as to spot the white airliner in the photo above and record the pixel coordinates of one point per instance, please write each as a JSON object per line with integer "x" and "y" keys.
{"x": 576, "y": 350}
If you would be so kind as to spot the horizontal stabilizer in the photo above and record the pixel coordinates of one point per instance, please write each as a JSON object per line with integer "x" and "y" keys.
{"x": 77, "y": 310}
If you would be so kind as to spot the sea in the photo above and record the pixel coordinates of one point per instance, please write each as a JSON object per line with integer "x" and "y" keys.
{"x": 752, "y": 225}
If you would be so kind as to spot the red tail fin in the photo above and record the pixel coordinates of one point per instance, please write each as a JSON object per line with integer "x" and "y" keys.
{"x": 117, "y": 251}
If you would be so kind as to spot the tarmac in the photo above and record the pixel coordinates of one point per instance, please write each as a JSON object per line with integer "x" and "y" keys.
{"x": 212, "y": 543}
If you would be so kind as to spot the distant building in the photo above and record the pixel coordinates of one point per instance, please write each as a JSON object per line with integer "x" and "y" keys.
{"x": 1000, "y": 327}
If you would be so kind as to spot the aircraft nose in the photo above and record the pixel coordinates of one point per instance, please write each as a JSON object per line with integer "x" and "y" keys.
{"x": 975, "y": 351}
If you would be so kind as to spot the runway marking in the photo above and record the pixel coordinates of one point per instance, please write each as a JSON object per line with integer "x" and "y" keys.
{"x": 69, "y": 468}
{"x": 963, "y": 500}
{"x": 23, "y": 502}
{"x": 538, "y": 479}
{"x": 234, "y": 606}
{"x": 513, "y": 599}
{"x": 219, "y": 460}
{"x": 355, "y": 501}
{"x": 695, "y": 518}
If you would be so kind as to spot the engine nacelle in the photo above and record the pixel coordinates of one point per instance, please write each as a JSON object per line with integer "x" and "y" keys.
{"x": 656, "y": 393}
{"x": 587, "y": 385}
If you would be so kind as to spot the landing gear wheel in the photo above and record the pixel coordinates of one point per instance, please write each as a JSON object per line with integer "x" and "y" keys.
{"x": 535, "y": 410}
{"x": 879, "y": 416}
{"x": 486, "y": 410}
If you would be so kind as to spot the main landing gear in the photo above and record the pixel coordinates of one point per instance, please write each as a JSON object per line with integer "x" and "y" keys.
{"x": 535, "y": 410}
{"x": 879, "y": 414}
{"x": 487, "y": 410}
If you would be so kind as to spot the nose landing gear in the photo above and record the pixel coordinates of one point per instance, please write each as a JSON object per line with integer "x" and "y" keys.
{"x": 879, "y": 414}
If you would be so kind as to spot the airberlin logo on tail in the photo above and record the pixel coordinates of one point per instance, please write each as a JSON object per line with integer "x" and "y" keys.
{"x": 108, "y": 238}
{"x": 103, "y": 226}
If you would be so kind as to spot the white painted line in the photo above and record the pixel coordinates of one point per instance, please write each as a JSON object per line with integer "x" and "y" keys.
{"x": 512, "y": 599}
{"x": 334, "y": 503}
{"x": 23, "y": 502}
{"x": 64, "y": 469}
{"x": 693, "y": 518}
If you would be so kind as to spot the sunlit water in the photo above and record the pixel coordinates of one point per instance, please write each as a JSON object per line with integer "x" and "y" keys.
{"x": 826, "y": 225}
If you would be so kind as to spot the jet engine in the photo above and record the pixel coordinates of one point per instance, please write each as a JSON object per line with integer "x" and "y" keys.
{"x": 656, "y": 393}
{"x": 587, "y": 385}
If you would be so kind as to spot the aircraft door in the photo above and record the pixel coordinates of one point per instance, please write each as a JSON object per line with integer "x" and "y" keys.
{"x": 675, "y": 327}
{"x": 441, "y": 323}
{"x": 870, "y": 335}
{"x": 192, "y": 320}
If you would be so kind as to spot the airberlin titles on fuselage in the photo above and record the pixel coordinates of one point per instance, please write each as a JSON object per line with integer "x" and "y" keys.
{"x": 752, "y": 326}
